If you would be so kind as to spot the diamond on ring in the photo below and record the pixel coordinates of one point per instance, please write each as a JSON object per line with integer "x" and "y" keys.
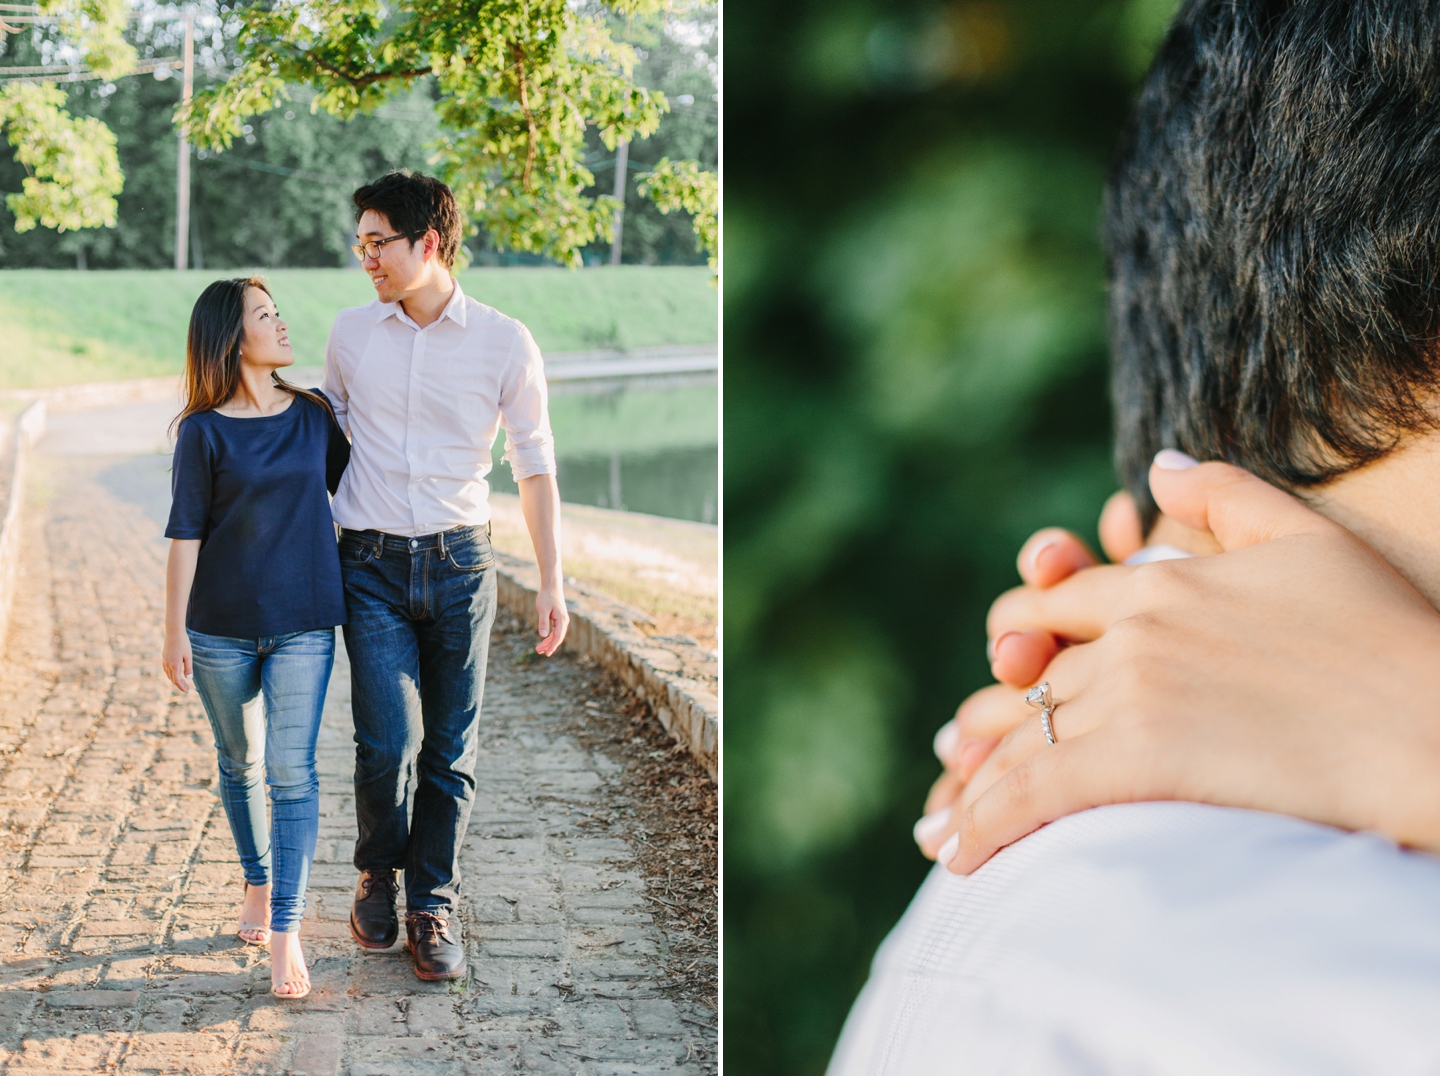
{"x": 1039, "y": 697}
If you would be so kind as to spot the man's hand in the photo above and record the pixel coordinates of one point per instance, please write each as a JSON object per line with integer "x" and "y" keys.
{"x": 540, "y": 504}
{"x": 553, "y": 618}
{"x": 1290, "y": 674}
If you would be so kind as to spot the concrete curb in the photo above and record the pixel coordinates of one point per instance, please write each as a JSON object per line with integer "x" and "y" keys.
{"x": 28, "y": 428}
{"x": 93, "y": 394}
{"x": 670, "y": 672}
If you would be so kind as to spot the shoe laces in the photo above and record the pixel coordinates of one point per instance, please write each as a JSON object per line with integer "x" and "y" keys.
{"x": 429, "y": 927}
{"x": 385, "y": 880}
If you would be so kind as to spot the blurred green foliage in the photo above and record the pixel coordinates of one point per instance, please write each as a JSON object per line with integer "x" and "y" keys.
{"x": 915, "y": 380}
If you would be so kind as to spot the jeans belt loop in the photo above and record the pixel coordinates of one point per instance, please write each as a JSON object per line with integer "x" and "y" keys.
{"x": 487, "y": 529}
{"x": 379, "y": 545}
{"x": 440, "y": 541}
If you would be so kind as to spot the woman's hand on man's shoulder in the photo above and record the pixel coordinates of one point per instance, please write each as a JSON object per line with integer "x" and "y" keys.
{"x": 1290, "y": 674}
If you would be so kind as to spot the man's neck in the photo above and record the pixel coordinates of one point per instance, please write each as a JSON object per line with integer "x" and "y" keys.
{"x": 424, "y": 303}
{"x": 1393, "y": 505}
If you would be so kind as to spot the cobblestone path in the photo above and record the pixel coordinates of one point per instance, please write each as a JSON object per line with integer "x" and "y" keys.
{"x": 119, "y": 884}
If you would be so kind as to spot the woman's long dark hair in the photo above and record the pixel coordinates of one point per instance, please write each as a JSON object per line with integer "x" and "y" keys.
{"x": 212, "y": 350}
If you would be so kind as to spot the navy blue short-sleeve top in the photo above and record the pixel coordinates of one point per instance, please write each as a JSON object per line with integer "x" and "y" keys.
{"x": 253, "y": 491}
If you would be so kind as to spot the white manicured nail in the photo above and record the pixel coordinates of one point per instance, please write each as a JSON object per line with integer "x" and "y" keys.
{"x": 949, "y": 850}
{"x": 1167, "y": 459}
{"x": 1152, "y": 553}
{"x": 1035, "y": 554}
{"x": 931, "y": 826}
{"x": 945, "y": 740}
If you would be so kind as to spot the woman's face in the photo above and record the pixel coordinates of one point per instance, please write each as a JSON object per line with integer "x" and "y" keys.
{"x": 266, "y": 341}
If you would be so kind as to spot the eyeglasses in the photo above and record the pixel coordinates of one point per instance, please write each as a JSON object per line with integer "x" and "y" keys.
{"x": 372, "y": 248}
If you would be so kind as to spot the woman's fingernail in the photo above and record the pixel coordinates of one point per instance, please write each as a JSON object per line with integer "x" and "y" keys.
{"x": 931, "y": 826}
{"x": 1152, "y": 553}
{"x": 972, "y": 753}
{"x": 992, "y": 648}
{"x": 1168, "y": 459}
{"x": 1035, "y": 554}
{"x": 945, "y": 740}
{"x": 949, "y": 850}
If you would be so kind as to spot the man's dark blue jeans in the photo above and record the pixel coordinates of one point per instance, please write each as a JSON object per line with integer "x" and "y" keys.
{"x": 420, "y": 612}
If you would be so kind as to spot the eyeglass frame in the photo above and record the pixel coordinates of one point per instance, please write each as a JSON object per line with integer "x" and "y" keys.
{"x": 362, "y": 250}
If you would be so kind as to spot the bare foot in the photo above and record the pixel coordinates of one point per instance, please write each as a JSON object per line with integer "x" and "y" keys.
{"x": 289, "y": 977}
{"x": 254, "y": 926}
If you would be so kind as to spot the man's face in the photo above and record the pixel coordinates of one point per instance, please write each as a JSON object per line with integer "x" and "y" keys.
{"x": 401, "y": 264}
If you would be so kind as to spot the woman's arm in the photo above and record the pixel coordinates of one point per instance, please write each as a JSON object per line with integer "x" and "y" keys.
{"x": 179, "y": 576}
{"x": 1291, "y": 674}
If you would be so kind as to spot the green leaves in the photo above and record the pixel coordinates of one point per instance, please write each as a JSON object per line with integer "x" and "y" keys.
{"x": 96, "y": 28}
{"x": 684, "y": 185}
{"x": 519, "y": 80}
{"x": 74, "y": 169}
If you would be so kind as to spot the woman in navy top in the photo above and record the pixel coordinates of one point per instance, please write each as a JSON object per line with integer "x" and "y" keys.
{"x": 253, "y": 594}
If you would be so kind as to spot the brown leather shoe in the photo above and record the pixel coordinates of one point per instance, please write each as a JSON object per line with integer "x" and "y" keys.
{"x": 373, "y": 922}
{"x": 437, "y": 955}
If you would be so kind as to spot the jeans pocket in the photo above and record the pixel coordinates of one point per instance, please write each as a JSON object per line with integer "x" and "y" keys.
{"x": 470, "y": 554}
{"x": 357, "y": 551}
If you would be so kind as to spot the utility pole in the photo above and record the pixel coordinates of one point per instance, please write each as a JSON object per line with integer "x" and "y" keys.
{"x": 182, "y": 168}
{"x": 622, "y": 158}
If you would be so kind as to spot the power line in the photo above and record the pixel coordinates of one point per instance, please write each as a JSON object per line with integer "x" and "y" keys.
{"x": 77, "y": 73}
{"x": 293, "y": 173}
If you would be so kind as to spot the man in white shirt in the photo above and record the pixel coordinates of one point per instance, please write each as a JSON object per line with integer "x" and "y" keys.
{"x": 422, "y": 379}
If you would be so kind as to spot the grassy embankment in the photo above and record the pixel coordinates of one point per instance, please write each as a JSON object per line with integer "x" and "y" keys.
{"x": 62, "y": 327}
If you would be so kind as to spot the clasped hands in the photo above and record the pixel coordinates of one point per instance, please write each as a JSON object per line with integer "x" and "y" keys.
{"x": 1291, "y": 673}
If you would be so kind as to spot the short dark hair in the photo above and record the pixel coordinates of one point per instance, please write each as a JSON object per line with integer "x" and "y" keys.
{"x": 1272, "y": 231}
{"x": 414, "y": 203}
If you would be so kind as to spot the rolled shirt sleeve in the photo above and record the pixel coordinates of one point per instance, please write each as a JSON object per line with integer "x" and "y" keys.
{"x": 525, "y": 412}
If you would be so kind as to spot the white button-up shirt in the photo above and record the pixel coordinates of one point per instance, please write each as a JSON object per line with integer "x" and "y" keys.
{"x": 422, "y": 408}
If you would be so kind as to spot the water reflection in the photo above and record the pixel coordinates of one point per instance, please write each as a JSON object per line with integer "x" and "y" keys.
{"x": 681, "y": 483}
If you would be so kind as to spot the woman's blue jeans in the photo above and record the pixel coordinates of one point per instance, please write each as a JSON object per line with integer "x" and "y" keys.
{"x": 264, "y": 698}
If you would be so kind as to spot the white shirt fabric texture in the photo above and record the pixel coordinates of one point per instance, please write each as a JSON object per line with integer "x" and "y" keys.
{"x": 422, "y": 408}
{"x": 1164, "y": 938}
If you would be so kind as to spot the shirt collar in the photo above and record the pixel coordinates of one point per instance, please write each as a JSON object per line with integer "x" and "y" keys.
{"x": 454, "y": 309}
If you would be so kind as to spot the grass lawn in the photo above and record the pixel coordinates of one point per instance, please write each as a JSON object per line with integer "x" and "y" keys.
{"x": 61, "y": 327}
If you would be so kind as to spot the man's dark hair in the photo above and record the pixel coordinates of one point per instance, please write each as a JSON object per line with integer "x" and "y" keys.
{"x": 1272, "y": 229}
{"x": 414, "y": 203}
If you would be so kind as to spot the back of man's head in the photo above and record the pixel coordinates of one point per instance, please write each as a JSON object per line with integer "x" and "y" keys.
{"x": 414, "y": 204}
{"x": 1273, "y": 235}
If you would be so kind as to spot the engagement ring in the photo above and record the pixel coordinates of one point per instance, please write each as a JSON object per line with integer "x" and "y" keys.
{"x": 1040, "y": 698}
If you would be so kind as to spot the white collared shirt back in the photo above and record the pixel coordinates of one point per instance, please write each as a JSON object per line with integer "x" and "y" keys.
{"x": 422, "y": 408}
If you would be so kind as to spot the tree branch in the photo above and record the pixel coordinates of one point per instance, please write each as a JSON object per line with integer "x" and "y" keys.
{"x": 372, "y": 77}
{"x": 534, "y": 135}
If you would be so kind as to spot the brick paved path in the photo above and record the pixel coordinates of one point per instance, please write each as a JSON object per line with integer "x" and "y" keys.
{"x": 119, "y": 883}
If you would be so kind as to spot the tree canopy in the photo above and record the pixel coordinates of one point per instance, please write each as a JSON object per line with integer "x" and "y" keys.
{"x": 73, "y": 171}
{"x": 516, "y": 86}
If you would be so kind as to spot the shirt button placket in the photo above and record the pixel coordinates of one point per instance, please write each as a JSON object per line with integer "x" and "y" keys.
{"x": 412, "y": 422}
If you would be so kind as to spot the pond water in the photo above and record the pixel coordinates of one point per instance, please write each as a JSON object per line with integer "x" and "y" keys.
{"x": 652, "y": 450}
